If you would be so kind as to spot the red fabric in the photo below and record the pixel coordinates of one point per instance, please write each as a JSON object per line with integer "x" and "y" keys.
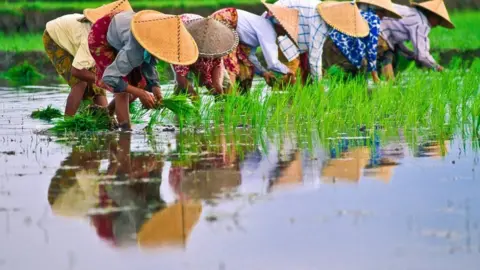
{"x": 304, "y": 66}
{"x": 203, "y": 67}
{"x": 104, "y": 55}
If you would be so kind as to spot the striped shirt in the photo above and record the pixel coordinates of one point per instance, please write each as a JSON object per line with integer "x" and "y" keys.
{"x": 312, "y": 34}
{"x": 413, "y": 27}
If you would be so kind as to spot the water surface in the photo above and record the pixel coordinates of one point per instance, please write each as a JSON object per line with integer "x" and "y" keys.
{"x": 192, "y": 201}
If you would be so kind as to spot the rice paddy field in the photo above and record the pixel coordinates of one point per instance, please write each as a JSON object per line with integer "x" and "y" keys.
{"x": 339, "y": 174}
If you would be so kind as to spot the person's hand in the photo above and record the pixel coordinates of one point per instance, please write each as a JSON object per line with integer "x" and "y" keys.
{"x": 157, "y": 93}
{"x": 269, "y": 78}
{"x": 439, "y": 68}
{"x": 289, "y": 79}
{"x": 147, "y": 99}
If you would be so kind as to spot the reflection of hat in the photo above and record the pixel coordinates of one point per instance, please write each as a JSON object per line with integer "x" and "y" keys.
{"x": 165, "y": 37}
{"x": 349, "y": 166}
{"x": 386, "y": 5}
{"x": 77, "y": 200}
{"x": 93, "y": 14}
{"x": 287, "y": 17}
{"x": 438, "y": 8}
{"x": 344, "y": 17}
{"x": 214, "y": 39}
{"x": 291, "y": 174}
{"x": 170, "y": 226}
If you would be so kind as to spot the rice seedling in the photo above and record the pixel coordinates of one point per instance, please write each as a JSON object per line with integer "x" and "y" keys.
{"x": 90, "y": 119}
{"x": 22, "y": 74}
{"x": 47, "y": 113}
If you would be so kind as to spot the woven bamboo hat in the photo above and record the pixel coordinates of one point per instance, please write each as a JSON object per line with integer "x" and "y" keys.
{"x": 386, "y": 5}
{"x": 287, "y": 17}
{"x": 437, "y": 7}
{"x": 165, "y": 37}
{"x": 344, "y": 17}
{"x": 214, "y": 39}
{"x": 93, "y": 14}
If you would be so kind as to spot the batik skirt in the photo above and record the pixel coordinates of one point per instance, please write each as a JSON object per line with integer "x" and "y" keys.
{"x": 104, "y": 55}
{"x": 62, "y": 61}
{"x": 237, "y": 62}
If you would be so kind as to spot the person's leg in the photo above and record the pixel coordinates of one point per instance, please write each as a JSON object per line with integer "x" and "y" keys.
{"x": 387, "y": 65}
{"x": 122, "y": 110}
{"x": 75, "y": 98}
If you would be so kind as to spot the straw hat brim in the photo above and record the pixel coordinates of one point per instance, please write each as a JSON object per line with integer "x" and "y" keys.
{"x": 94, "y": 14}
{"x": 165, "y": 37}
{"x": 288, "y": 19}
{"x": 214, "y": 39}
{"x": 445, "y": 19}
{"x": 386, "y": 6}
{"x": 344, "y": 17}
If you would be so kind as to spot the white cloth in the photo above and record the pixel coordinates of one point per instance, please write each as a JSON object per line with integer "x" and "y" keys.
{"x": 256, "y": 31}
{"x": 313, "y": 32}
{"x": 72, "y": 36}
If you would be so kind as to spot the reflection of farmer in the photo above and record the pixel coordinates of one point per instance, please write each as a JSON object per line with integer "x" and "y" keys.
{"x": 209, "y": 177}
{"x": 118, "y": 202}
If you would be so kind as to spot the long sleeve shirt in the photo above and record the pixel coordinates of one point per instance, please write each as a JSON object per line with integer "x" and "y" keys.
{"x": 413, "y": 27}
{"x": 356, "y": 49}
{"x": 130, "y": 55}
{"x": 256, "y": 31}
{"x": 313, "y": 32}
{"x": 72, "y": 35}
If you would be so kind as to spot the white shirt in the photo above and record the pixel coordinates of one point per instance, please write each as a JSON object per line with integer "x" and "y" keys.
{"x": 256, "y": 31}
{"x": 313, "y": 32}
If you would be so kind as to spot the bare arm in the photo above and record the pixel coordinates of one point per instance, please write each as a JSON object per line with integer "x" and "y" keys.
{"x": 217, "y": 79}
{"x": 84, "y": 75}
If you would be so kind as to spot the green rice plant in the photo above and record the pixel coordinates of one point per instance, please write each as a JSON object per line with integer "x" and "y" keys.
{"x": 21, "y": 42}
{"x": 23, "y": 74}
{"x": 90, "y": 119}
{"x": 47, "y": 113}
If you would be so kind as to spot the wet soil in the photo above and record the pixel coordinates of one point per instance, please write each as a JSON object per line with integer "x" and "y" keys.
{"x": 187, "y": 201}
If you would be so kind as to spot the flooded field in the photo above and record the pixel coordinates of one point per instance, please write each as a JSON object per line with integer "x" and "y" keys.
{"x": 194, "y": 200}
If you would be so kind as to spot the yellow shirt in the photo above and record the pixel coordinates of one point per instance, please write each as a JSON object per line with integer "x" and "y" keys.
{"x": 72, "y": 35}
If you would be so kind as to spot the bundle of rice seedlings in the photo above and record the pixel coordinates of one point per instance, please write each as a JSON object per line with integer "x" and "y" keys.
{"x": 93, "y": 118}
{"x": 179, "y": 105}
{"x": 23, "y": 74}
{"x": 47, "y": 114}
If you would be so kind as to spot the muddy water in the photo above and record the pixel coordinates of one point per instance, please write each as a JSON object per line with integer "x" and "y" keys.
{"x": 131, "y": 201}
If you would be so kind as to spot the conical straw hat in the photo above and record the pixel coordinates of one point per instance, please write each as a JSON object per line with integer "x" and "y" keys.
{"x": 344, "y": 17}
{"x": 385, "y": 5}
{"x": 170, "y": 226}
{"x": 93, "y": 14}
{"x": 437, "y": 7}
{"x": 165, "y": 37}
{"x": 214, "y": 39}
{"x": 288, "y": 18}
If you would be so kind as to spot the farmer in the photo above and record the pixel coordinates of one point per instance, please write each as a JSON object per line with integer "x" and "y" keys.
{"x": 255, "y": 31}
{"x": 214, "y": 41}
{"x": 349, "y": 52}
{"x": 415, "y": 26}
{"x": 126, "y": 52}
{"x": 316, "y": 19}
{"x": 66, "y": 43}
